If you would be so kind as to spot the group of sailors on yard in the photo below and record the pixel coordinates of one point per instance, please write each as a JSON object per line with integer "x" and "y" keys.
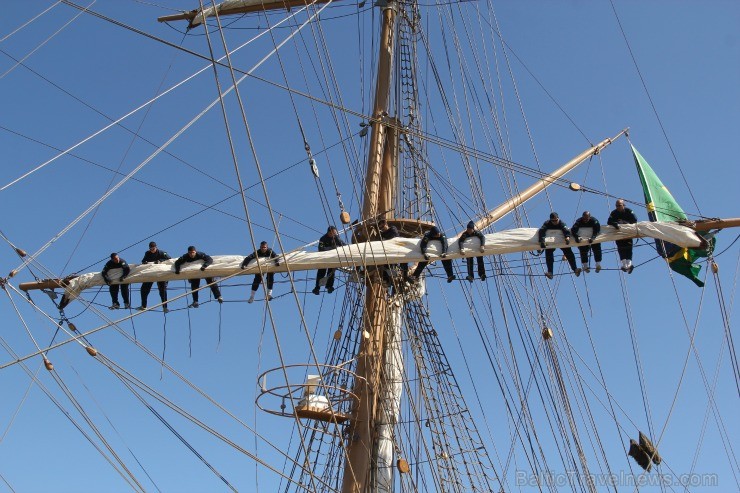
{"x": 332, "y": 241}
{"x": 620, "y": 215}
{"x": 154, "y": 256}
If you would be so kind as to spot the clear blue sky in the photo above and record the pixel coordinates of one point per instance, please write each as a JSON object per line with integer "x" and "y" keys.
{"x": 688, "y": 56}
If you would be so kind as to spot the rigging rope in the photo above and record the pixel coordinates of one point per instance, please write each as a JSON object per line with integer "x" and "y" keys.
{"x": 652, "y": 104}
{"x": 20, "y": 360}
{"x": 117, "y": 171}
{"x": 66, "y": 414}
{"x": 272, "y": 218}
{"x": 38, "y": 47}
{"x": 29, "y": 21}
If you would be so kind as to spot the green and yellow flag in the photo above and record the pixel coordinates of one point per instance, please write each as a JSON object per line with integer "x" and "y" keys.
{"x": 661, "y": 206}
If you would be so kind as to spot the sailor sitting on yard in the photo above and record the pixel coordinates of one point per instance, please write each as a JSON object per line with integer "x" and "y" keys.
{"x": 388, "y": 232}
{"x": 469, "y": 233}
{"x": 588, "y": 221}
{"x": 154, "y": 255}
{"x": 434, "y": 234}
{"x": 555, "y": 223}
{"x": 623, "y": 215}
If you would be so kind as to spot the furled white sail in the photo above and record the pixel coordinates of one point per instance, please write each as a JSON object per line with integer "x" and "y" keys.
{"x": 389, "y": 400}
{"x": 372, "y": 253}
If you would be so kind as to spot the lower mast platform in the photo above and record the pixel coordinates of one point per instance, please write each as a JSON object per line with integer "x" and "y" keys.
{"x": 323, "y": 397}
{"x": 320, "y": 414}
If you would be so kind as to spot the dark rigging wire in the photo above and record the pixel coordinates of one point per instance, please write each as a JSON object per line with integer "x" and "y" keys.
{"x": 652, "y": 104}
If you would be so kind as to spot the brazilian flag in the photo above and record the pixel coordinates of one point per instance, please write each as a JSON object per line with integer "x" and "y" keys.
{"x": 661, "y": 206}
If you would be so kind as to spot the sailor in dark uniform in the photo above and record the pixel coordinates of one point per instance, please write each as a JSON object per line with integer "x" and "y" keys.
{"x": 623, "y": 215}
{"x": 154, "y": 256}
{"x": 470, "y": 232}
{"x": 555, "y": 223}
{"x": 194, "y": 255}
{"x": 388, "y": 232}
{"x": 588, "y": 221}
{"x": 117, "y": 262}
{"x": 434, "y": 234}
{"x": 263, "y": 252}
{"x": 330, "y": 241}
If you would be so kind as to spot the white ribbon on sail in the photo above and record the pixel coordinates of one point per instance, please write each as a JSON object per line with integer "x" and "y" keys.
{"x": 373, "y": 253}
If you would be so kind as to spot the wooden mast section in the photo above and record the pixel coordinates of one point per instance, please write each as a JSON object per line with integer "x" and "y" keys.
{"x": 380, "y": 194}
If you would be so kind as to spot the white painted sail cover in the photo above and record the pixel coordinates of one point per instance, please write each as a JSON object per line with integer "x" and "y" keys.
{"x": 371, "y": 253}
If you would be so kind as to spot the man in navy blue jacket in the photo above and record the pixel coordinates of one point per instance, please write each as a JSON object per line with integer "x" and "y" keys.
{"x": 623, "y": 215}
{"x": 434, "y": 234}
{"x": 117, "y": 262}
{"x": 555, "y": 223}
{"x": 194, "y": 255}
{"x": 469, "y": 232}
{"x": 330, "y": 241}
{"x": 154, "y": 256}
{"x": 588, "y": 221}
{"x": 263, "y": 252}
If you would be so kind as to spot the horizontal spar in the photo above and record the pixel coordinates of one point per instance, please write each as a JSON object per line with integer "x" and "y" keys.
{"x": 372, "y": 253}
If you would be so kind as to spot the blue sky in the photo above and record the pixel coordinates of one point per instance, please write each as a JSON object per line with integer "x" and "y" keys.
{"x": 677, "y": 90}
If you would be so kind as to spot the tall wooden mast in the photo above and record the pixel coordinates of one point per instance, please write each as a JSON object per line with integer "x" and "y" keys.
{"x": 380, "y": 190}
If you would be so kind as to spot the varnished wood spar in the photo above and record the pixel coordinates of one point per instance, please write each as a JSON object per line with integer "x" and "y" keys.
{"x": 380, "y": 191}
{"x": 195, "y": 18}
{"x": 542, "y": 184}
{"x": 706, "y": 225}
{"x": 46, "y": 284}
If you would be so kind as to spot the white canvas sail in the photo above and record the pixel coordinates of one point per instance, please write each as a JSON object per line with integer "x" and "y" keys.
{"x": 390, "y": 400}
{"x": 373, "y": 253}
